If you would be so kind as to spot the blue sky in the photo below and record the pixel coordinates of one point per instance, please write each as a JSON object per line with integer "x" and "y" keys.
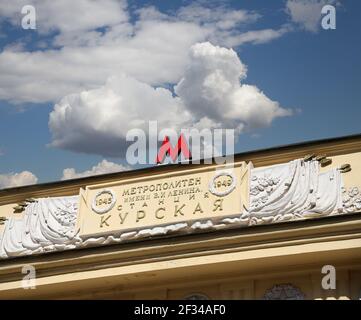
{"x": 317, "y": 74}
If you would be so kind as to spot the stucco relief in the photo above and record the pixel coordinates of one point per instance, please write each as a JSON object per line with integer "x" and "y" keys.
{"x": 48, "y": 224}
{"x": 284, "y": 292}
{"x": 351, "y": 199}
{"x": 294, "y": 190}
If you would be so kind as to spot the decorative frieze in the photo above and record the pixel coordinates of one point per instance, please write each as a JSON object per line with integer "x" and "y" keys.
{"x": 203, "y": 200}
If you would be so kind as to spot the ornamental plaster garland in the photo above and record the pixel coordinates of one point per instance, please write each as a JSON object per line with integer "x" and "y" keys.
{"x": 293, "y": 191}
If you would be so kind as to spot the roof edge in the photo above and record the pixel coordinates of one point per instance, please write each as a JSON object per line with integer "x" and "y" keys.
{"x": 248, "y": 156}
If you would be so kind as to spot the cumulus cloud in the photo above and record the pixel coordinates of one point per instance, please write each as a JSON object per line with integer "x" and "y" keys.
{"x": 307, "y": 13}
{"x": 97, "y": 121}
{"x": 208, "y": 95}
{"x": 17, "y": 179}
{"x": 211, "y": 89}
{"x": 91, "y": 41}
{"x": 101, "y": 168}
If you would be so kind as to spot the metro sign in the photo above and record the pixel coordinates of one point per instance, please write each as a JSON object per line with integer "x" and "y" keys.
{"x": 166, "y": 149}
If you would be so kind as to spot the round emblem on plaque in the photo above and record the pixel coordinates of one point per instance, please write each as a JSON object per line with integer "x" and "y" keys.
{"x": 223, "y": 183}
{"x": 103, "y": 201}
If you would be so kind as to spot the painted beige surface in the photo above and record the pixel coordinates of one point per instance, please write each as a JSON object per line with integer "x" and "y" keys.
{"x": 352, "y": 178}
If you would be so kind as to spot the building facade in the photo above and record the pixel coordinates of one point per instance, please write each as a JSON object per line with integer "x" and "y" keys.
{"x": 281, "y": 223}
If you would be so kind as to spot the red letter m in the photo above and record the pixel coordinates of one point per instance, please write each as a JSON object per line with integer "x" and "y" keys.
{"x": 166, "y": 149}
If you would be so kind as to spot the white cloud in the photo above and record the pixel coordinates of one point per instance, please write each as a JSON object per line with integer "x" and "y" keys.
{"x": 17, "y": 179}
{"x": 101, "y": 168}
{"x": 211, "y": 89}
{"x": 208, "y": 95}
{"x": 96, "y": 40}
{"x": 68, "y": 16}
{"x": 97, "y": 121}
{"x": 253, "y": 36}
{"x": 220, "y": 17}
{"x": 155, "y": 56}
{"x": 223, "y": 24}
{"x": 307, "y": 13}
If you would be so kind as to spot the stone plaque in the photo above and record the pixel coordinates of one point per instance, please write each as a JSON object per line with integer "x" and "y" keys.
{"x": 210, "y": 193}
